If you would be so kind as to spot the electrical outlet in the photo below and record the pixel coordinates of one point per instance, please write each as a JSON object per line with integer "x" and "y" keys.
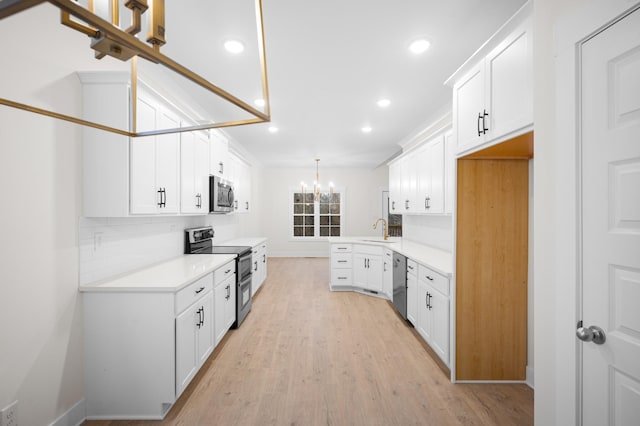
{"x": 9, "y": 415}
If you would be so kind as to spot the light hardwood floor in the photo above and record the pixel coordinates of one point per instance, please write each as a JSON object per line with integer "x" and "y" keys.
{"x": 307, "y": 356}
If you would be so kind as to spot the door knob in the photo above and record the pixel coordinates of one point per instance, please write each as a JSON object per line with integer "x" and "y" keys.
{"x": 591, "y": 334}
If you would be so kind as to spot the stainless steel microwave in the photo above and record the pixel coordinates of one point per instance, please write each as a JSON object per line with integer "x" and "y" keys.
{"x": 221, "y": 198}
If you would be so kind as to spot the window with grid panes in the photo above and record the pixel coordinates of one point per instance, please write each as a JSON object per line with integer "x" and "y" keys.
{"x": 313, "y": 219}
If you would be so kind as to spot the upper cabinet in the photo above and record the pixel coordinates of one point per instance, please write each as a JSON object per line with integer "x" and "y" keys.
{"x": 194, "y": 154}
{"x": 149, "y": 175}
{"x": 493, "y": 90}
{"x": 154, "y": 161}
{"x": 219, "y": 164}
{"x": 421, "y": 181}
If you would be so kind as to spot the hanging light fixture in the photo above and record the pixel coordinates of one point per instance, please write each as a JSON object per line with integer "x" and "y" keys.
{"x": 107, "y": 38}
{"x": 316, "y": 185}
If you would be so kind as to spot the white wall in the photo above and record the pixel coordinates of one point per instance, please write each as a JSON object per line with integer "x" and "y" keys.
{"x": 41, "y": 314}
{"x": 363, "y": 205}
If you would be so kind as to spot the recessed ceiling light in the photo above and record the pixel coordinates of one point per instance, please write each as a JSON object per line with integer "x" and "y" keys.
{"x": 233, "y": 46}
{"x": 366, "y": 129}
{"x": 273, "y": 129}
{"x": 259, "y": 102}
{"x": 383, "y": 103}
{"x": 419, "y": 46}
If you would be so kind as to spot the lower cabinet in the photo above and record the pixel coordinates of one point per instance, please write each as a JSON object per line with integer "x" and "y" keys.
{"x": 433, "y": 319}
{"x": 142, "y": 348}
{"x": 367, "y": 267}
{"x": 194, "y": 340}
{"x": 225, "y": 306}
{"x": 387, "y": 274}
{"x": 259, "y": 271}
{"x": 412, "y": 292}
{"x": 341, "y": 267}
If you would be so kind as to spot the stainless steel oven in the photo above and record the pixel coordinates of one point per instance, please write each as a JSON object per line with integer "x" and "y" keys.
{"x": 200, "y": 241}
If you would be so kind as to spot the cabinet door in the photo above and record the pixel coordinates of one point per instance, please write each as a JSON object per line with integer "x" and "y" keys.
{"x": 387, "y": 272}
{"x": 449, "y": 172}
{"x": 189, "y": 200}
{"x": 219, "y": 155}
{"x": 360, "y": 270}
{"x": 230, "y": 306}
{"x": 412, "y": 298}
{"x": 468, "y": 103}
{"x": 434, "y": 203}
{"x": 395, "y": 188}
{"x": 439, "y": 327}
{"x": 202, "y": 172}
{"x": 374, "y": 273}
{"x": 167, "y": 162}
{"x": 409, "y": 184}
{"x": 206, "y": 329}
{"x": 422, "y": 311}
{"x": 186, "y": 357}
{"x": 145, "y": 195}
{"x": 509, "y": 84}
{"x": 423, "y": 177}
{"x": 221, "y": 293}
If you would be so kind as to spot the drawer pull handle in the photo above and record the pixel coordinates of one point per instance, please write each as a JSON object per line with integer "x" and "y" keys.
{"x": 429, "y": 278}
{"x": 342, "y": 278}
{"x": 227, "y": 271}
{"x": 199, "y": 291}
{"x": 342, "y": 261}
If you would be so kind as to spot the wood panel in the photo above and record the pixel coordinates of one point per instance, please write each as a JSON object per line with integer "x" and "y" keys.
{"x": 492, "y": 269}
{"x": 308, "y": 356}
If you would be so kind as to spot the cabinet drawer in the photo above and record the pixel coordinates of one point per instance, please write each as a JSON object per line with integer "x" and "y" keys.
{"x": 412, "y": 267}
{"x": 366, "y": 249}
{"x": 224, "y": 272}
{"x": 193, "y": 292}
{"x": 340, "y": 248}
{"x": 341, "y": 277}
{"x": 434, "y": 279}
{"x": 341, "y": 260}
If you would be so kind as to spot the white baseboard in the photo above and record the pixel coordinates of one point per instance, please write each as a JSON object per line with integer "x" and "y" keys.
{"x": 74, "y": 416}
{"x": 530, "y": 377}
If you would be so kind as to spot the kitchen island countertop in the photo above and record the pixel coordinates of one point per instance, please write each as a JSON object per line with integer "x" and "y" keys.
{"x": 435, "y": 258}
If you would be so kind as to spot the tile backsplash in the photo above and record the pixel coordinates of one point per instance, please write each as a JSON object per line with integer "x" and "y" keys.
{"x": 113, "y": 246}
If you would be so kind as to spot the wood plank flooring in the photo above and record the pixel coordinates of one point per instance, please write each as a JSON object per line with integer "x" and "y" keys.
{"x": 307, "y": 356}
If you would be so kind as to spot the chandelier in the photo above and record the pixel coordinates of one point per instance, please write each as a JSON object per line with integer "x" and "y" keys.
{"x": 144, "y": 38}
{"x": 316, "y": 185}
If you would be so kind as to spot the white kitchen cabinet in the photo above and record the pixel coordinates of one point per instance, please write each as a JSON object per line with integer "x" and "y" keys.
{"x": 387, "y": 274}
{"x": 341, "y": 266}
{"x": 449, "y": 173}
{"x": 395, "y": 188}
{"x": 259, "y": 256}
{"x": 194, "y": 339}
{"x": 194, "y": 152}
{"x": 240, "y": 175}
{"x": 225, "y": 306}
{"x": 493, "y": 100}
{"x": 155, "y": 160}
{"x": 219, "y": 160}
{"x": 142, "y": 348}
{"x": 367, "y": 267}
{"x": 412, "y": 292}
{"x": 430, "y": 177}
{"x": 433, "y": 311}
{"x": 418, "y": 180}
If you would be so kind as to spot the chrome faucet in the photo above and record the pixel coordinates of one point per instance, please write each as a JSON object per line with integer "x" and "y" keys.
{"x": 384, "y": 229}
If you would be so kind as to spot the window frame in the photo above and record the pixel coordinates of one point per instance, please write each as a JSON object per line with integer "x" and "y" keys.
{"x": 316, "y": 215}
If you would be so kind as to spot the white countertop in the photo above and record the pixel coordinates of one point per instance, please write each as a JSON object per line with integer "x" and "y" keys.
{"x": 251, "y": 242}
{"x": 169, "y": 276}
{"x": 435, "y": 258}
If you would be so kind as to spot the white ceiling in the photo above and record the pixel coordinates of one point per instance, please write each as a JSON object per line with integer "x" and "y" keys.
{"x": 330, "y": 61}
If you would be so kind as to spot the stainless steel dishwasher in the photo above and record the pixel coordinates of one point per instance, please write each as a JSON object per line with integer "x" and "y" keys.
{"x": 400, "y": 283}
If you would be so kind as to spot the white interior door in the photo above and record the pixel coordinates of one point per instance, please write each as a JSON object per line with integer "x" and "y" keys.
{"x": 610, "y": 119}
